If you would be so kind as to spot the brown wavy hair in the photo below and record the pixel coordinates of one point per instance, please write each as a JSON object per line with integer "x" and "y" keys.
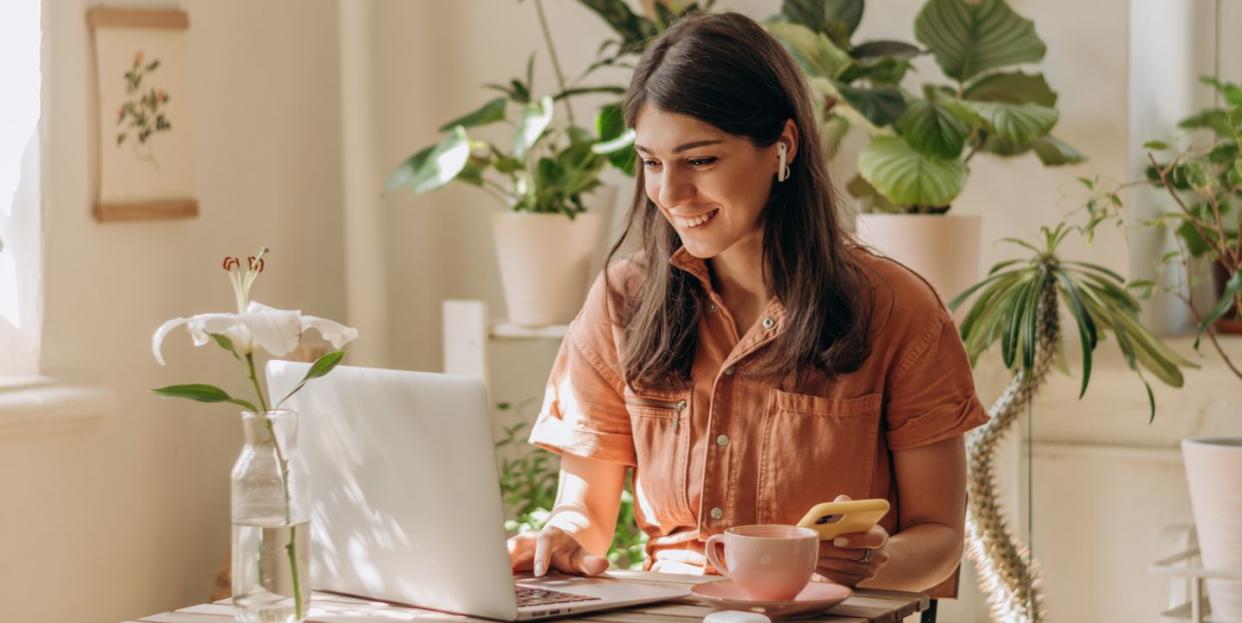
{"x": 726, "y": 70}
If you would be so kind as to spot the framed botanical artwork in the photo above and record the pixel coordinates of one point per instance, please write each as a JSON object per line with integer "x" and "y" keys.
{"x": 144, "y": 151}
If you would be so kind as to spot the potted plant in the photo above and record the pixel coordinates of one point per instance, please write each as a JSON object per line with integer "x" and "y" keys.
{"x": 546, "y": 239}
{"x": 1018, "y": 304}
{"x": 922, "y": 141}
{"x": 1204, "y": 183}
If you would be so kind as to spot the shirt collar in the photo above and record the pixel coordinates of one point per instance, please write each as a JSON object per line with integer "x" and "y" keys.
{"x": 696, "y": 266}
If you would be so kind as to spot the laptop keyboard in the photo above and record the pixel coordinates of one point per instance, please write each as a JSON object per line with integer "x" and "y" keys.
{"x": 528, "y": 596}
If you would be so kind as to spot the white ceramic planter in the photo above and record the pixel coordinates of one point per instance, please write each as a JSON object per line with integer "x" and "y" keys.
{"x": 943, "y": 248}
{"x": 545, "y": 263}
{"x": 1214, "y": 473}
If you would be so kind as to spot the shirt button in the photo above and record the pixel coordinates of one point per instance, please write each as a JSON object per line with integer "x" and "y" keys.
{"x": 722, "y": 440}
{"x": 711, "y": 307}
{"x": 717, "y": 512}
{"x": 729, "y": 371}
{"x": 768, "y": 323}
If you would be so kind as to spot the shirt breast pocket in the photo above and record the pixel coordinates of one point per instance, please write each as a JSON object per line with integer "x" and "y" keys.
{"x": 812, "y": 449}
{"x": 660, "y": 424}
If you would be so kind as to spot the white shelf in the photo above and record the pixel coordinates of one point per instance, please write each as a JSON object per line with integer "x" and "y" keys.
{"x": 509, "y": 331}
{"x": 468, "y": 332}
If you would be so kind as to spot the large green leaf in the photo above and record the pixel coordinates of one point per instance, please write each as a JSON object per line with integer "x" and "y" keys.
{"x": 490, "y": 112}
{"x": 933, "y": 129}
{"x": 814, "y": 51}
{"x": 908, "y": 177}
{"x": 1052, "y": 151}
{"x": 616, "y": 141}
{"x": 881, "y": 106}
{"x": 1021, "y": 124}
{"x": 885, "y": 48}
{"x": 535, "y": 119}
{"x": 1012, "y": 87}
{"x": 813, "y": 13}
{"x": 633, "y": 29}
{"x": 969, "y": 38}
{"x": 434, "y": 166}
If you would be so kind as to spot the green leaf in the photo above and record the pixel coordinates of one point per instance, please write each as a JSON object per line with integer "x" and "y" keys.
{"x": 933, "y": 129}
{"x": 632, "y": 28}
{"x": 1156, "y": 145}
{"x": 1012, "y": 88}
{"x": 611, "y": 90}
{"x": 1020, "y": 123}
{"x": 969, "y": 38}
{"x": 910, "y": 178}
{"x": 434, "y": 166}
{"x": 1227, "y": 300}
{"x": 814, "y": 51}
{"x": 881, "y": 105}
{"x": 225, "y": 343}
{"x": 490, "y": 112}
{"x": 616, "y": 141}
{"x": 1231, "y": 92}
{"x": 535, "y": 119}
{"x": 322, "y": 366}
{"x": 202, "y": 393}
{"x": 1213, "y": 119}
{"x": 1086, "y": 326}
{"x": 1053, "y": 152}
{"x": 813, "y": 13}
{"x": 884, "y": 48}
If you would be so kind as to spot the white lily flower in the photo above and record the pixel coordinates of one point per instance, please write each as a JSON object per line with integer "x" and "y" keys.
{"x": 276, "y": 331}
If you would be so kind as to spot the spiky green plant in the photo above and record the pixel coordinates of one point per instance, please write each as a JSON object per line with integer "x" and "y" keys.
{"x": 1097, "y": 299}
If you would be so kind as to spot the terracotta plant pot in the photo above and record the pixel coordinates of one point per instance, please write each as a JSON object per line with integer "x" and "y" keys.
{"x": 943, "y": 248}
{"x": 1214, "y": 474}
{"x": 545, "y": 264}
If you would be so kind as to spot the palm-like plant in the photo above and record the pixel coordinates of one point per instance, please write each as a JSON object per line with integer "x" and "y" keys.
{"x": 1017, "y": 304}
{"x": 1098, "y": 300}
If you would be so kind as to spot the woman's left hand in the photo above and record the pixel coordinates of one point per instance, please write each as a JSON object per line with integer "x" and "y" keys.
{"x": 852, "y": 558}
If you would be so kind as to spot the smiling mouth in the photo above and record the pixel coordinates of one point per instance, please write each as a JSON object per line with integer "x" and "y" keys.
{"x": 698, "y": 221}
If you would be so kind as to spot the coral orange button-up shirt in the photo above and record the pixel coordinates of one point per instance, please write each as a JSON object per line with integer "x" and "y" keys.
{"x": 737, "y": 448}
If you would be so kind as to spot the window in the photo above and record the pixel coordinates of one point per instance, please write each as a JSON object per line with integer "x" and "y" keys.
{"x": 20, "y": 318}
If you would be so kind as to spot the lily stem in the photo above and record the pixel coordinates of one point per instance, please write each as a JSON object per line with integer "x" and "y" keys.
{"x": 291, "y": 546}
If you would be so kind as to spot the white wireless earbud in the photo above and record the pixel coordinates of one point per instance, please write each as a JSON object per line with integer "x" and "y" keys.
{"x": 782, "y": 154}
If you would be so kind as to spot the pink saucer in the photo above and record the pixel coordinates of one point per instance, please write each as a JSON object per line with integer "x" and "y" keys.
{"x": 816, "y": 597}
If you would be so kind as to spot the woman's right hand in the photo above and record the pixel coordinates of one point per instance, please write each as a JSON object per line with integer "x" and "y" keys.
{"x": 553, "y": 548}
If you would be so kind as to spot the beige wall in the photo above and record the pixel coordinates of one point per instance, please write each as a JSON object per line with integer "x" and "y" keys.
{"x": 130, "y": 517}
{"x": 295, "y": 137}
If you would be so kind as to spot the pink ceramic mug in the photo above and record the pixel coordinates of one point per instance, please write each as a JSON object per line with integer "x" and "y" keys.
{"x": 768, "y": 562}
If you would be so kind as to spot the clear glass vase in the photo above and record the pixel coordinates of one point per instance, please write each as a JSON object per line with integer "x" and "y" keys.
{"x": 271, "y": 522}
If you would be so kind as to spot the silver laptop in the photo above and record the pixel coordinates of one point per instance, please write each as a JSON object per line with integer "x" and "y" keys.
{"x": 406, "y": 504}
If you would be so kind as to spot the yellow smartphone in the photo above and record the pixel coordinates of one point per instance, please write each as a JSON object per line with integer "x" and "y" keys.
{"x": 832, "y": 519}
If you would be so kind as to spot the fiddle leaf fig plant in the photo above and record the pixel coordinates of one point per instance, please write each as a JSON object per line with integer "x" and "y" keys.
{"x": 1006, "y": 307}
{"x": 922, "y": 140}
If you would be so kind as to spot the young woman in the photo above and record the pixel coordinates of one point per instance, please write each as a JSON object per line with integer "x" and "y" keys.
{"x": 751, "y": 360}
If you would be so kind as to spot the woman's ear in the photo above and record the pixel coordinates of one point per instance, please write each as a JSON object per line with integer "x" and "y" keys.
{"x": 789, "y": 136}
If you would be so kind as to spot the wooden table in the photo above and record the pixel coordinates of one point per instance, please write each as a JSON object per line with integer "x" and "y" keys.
{"x": 864, "y": 606}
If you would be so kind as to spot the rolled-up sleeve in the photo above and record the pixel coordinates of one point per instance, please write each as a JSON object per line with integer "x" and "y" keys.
{"x": 583, "y": 412}
{"x": 931, "y": 395}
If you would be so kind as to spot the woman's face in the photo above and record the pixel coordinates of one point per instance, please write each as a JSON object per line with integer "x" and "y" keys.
{"x": 710, "y": 185}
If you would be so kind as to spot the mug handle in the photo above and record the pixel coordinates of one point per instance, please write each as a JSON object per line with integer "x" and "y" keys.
{"x": 714, "y": 551}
